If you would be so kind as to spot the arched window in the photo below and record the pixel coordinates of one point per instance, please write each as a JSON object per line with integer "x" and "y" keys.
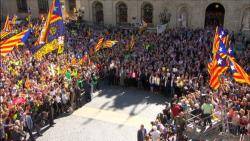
{"x": 97, "y": 12}
{"x": 43, "y": 6}
{"x": 22, "y": 6}
{"x": 147, "y": 13}
{"x": 122, "y": 14}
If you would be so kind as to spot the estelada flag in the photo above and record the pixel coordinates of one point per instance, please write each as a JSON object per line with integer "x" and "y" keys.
{"x": 7, "y": 45}
{"x": 52, "y": 32}
{"x": 220, "y": 35}
{"x": 219, "y": 66}
{"x": 239, "y": 74}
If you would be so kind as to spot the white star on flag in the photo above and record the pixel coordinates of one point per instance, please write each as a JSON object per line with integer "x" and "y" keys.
{"x": 229, "y": 50}
{"x": 232, "y": 67}
{"x": 219, "y": 61}
{"x": 220, "y": 49}
{"x": 222, "y": 33}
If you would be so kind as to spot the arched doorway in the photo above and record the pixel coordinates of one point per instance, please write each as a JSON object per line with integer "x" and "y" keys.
{"x": 183, "y": 17}
{"x": 121, "y": 13}
{"x": 147, "y": 13}
{"x": 215, "y": 13}
{"x": 97, "y": 12}
{"x": 245, "y": 25}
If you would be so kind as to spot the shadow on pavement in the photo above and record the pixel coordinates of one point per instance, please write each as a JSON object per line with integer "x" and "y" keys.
{"x": 125, "y": 97}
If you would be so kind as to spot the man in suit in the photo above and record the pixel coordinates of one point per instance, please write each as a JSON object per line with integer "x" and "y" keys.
{"x": 142, "y": 132}
{"x": 88, "y": 91}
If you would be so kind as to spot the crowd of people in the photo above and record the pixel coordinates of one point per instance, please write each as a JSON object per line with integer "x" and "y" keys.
{"x": 172, "y": 63}
{"x": 35, "y": 92}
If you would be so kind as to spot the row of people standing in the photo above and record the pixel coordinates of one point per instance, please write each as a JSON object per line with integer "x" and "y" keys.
{"x": 168, "y": 83}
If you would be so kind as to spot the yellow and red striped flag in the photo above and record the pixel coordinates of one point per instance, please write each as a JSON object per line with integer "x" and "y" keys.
{"x": 239, "y": 74}
{"x": 7, "y": 24}
{"x": 6, "y": 28}
{"x": 218, "y": 67}
{"x": 52, "y": 33}
{"x": 132, "y": 42}
{"x": 99, "y": 44}
{"x": 13, "y": 21}
{"x": 220, "y": 35}
{"x": 7, "y": 45}
{"x": 109, "y": 43}
{"x": 4, "y": 34}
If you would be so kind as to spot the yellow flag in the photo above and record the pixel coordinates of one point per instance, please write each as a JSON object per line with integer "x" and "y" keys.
{"x": 60, "y": 49}
{"x": 47, "y": 48}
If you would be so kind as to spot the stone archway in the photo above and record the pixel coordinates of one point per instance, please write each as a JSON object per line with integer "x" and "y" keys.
{"x": 214, "y": 16}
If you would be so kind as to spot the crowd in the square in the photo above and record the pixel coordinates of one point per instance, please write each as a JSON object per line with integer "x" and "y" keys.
{"x": 172, "y": 63}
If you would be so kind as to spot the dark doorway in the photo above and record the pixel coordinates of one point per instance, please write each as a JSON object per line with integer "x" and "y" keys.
{"x": 215, "y": 13}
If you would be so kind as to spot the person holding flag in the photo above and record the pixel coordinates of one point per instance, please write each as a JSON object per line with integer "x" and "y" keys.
{"x": 52, "y": 34}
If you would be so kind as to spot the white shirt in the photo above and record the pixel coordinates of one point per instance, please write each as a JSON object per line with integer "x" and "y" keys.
{"x": 155, "y": 135}
{"x": 58, "y": 99}
{"x": 64, "y": 98}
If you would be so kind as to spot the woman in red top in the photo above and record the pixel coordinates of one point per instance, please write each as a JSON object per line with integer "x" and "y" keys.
{"x": 175, "y": 109}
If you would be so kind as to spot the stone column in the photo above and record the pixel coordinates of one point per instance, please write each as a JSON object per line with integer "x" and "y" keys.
{"x": 108, "y": 15}
{"x": 66, "y": 6}
{"x": 8, "y": 8}
{"x": 232, "y": 18}
{"x": 33, "y": 6}
{"x": 86, "y": 7}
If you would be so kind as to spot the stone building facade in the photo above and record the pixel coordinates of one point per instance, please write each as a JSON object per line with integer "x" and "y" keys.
{"x": 232, "y": 14}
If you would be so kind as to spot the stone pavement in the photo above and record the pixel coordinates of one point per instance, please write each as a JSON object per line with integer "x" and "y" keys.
{"x": 114, "y": 114}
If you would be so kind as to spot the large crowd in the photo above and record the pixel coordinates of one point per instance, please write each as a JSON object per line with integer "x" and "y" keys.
{"x": 172, "y": 63}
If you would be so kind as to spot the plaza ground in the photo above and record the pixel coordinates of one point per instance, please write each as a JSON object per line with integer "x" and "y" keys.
{"x": 114, "y": 114}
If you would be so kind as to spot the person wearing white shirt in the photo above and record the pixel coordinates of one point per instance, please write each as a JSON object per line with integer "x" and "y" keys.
{"x": 151, "y": 82}
{"x": 155, "y": 134}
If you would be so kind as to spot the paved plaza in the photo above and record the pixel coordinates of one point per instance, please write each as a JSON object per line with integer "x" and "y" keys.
{"x": 114, "y": 114}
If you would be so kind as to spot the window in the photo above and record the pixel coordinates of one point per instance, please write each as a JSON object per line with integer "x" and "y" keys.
{"x": 22, "y": 6}
{"x": 97, "y": 12}
{"x": 147, "y": 13}
{"x": 121, "y": 12}
{"x": 43, "y": 6}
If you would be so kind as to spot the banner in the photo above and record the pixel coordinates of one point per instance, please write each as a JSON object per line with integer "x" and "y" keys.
{"x": 47, "y": 48}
